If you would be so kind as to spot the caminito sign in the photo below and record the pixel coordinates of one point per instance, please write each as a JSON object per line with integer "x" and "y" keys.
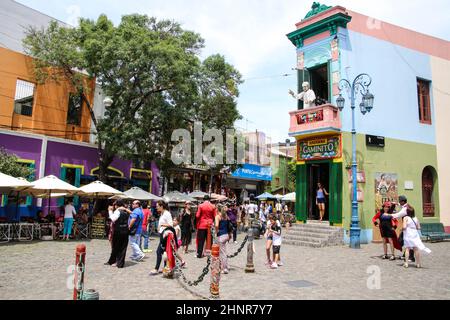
{"x": 319, "y": 148}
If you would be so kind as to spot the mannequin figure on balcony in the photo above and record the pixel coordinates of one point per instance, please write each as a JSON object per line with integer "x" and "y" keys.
{"x": 308, "y": 96}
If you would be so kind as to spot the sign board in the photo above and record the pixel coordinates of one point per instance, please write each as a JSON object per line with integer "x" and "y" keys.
{"x": 409, "y": 185}
{"x": 252, "y": 171}
{"x": 319, "y": 148}
{"x": 375, "y": 141}
{"x": 98, "y": 229}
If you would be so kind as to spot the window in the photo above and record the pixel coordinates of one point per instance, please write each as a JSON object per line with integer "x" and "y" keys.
{"x": 74, "y": 109}
{"x": 277, "y": 181}
{"x": 23, "y": 100}
{"x": 423, "y": 96}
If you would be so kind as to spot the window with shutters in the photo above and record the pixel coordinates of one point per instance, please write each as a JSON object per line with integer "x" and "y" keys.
{"x": 74, "y": 109}
{"x": 423, "y": 97}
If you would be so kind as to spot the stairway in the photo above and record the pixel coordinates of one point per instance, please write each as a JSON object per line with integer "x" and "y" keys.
{"x": 314, "y": 234}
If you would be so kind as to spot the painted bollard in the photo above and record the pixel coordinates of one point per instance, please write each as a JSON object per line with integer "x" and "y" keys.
{"x": 250, "y": 267}
{"x": 215, "y": 271}
{"x": 78, "y": 280}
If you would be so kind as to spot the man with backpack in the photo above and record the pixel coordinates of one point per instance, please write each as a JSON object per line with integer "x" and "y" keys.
{"x": 119, "y": 238}
{"x": 135, "y": 226}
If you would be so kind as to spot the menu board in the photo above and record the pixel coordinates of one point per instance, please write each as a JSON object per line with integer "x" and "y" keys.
{"x": 98, "y": 228}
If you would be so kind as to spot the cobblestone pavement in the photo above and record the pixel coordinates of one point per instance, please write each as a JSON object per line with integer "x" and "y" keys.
{"x": 39, "y": 270}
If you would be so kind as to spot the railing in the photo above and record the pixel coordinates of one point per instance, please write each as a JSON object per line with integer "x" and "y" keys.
{"x": 318, "y": 119}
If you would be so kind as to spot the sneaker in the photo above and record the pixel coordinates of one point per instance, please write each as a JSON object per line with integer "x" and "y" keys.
{"x": 147, "y": 251}
{"x": 385, "y": 257}
{"x": 274, "y": 266}
{"x": 140, "y": 258}
{"x": 392, "y": 258}
{"x": 225, "y": 271}
{"x": 235, "y": 242}
{"x": 419, "y": 266}
{"x": 153, "y": 273}
{"x": 280, "y": 264}
{"x": 405, "y": 265}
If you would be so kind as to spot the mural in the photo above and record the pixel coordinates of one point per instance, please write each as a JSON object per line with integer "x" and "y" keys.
{"x": 386, "y": 188}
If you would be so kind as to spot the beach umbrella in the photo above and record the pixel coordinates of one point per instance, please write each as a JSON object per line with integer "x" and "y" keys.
{"x": 198, "y": 194}
{"x": 51, "y": 184}
{"x": 137, "y": 193}
{"x": 99, "y": 189}
{"x": 278, "y": 196}
{"x": 9, "y": 183}
{"x": 289, "y": 197}
{"x": 218, "y": 197}
{"x": 176, "y": 196}
{"x": 265, "y": 196}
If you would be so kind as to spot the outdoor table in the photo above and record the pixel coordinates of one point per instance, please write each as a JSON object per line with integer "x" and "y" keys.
{"x": 5, "y": 232}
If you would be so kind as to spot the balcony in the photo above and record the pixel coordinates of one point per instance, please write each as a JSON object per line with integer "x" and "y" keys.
{"x": 322, "y": 119}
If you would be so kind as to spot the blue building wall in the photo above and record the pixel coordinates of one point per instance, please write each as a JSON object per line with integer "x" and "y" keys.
{"x": 394, "y": 71}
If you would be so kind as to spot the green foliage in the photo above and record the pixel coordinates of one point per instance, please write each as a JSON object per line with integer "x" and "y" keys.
{"x": 292, "y": 170}
{"x": 10, "y": 166}
{"x": 152, "y": 71}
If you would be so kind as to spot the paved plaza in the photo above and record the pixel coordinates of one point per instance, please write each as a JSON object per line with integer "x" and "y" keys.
{"x": 41, "y": 270}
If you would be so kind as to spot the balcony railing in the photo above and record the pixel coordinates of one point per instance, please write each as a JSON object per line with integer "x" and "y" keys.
{"x": 324, "y": 118}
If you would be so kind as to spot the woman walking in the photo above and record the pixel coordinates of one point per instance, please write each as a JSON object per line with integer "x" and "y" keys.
{"x": 411, "y": 237}
{"x": 186, "y": 226}
{"x": 165, "y": 221}
{"x": 320, "y": 199}
{"x": 224, "y": 230}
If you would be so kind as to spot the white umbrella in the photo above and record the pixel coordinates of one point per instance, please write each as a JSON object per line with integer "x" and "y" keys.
{"x": 137, "y": 193}
{"x": 51, "y": 184}
{"x": 9, "y": 183}
{"x": 278, "y": 196}
{"x": 177, "y": 196}
{"x": 99, "y": 189}
{"x": 198, "y": 194}
{"x": 291, "y": 197}
{"x": 218, "y": 197}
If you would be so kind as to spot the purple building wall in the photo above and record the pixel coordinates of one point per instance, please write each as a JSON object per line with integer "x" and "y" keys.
{"x": 59, "y": 152}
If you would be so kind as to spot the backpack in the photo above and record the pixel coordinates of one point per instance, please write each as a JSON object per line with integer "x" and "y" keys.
{"x": 121, "y": 224}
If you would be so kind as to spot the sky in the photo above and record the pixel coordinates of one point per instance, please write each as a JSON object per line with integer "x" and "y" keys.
{"x": 251, "y": 34}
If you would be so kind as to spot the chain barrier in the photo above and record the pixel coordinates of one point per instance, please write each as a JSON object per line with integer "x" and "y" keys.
{"x": 178, "y": 268}
{"x": 239, "y": 249}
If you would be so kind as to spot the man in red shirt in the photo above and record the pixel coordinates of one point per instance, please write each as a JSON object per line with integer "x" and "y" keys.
{"x": 205, "y": 218}
{"x": 145, "y": 235}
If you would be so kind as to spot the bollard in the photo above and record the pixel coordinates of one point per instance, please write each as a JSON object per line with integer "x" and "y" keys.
{"x": 78, "y": 280}
{"x": 208, "y": 241}
{"x": 250, "y": 267}
{"x": 215, "y": 271}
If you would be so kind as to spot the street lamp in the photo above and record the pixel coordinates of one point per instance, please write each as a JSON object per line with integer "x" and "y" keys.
{"x": 360, "y": 86}
{"x": 107, "y": 102}
{"x": 288, "y": 144}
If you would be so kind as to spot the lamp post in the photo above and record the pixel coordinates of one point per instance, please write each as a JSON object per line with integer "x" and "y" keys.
{"x": 360, "y": 86}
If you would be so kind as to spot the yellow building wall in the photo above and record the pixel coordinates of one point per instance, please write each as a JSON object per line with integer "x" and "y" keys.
{"x": 441, "y": 98}
{"x": 50, "y": 103}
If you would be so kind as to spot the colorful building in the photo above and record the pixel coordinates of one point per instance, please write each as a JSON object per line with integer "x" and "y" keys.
{"x": 401, "y": 143}
{"x": 47, "y": 126}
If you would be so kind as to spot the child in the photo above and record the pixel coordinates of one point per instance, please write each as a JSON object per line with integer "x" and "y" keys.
{"x": 176, "y": 226}
{"x": 275, "y": 231}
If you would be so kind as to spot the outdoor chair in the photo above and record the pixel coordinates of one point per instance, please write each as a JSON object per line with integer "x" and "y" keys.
{"x": 82, "y": 230}
{"x": 5, "y": 232}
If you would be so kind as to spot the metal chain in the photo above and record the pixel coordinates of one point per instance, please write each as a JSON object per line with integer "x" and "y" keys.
{"x": 180, "y": 270}
{"x": 240, "y": 248}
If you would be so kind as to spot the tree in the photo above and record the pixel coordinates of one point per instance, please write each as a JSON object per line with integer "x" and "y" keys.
{"x": 292, "y": 173}
{"x": 10, "y": 166}
{"x": 151, "y": 70}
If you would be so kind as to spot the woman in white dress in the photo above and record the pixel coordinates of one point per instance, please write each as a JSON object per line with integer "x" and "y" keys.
{"x": 411, "y": 237}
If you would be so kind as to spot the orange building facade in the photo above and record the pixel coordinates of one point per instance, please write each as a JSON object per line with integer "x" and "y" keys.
{"x": 51, "y": 109}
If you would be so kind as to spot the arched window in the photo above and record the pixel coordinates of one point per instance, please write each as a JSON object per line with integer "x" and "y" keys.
{"x": 427, "y": 192}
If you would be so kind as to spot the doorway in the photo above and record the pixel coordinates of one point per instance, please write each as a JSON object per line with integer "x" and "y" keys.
{"x": 317, "y": 172}
{"x": 320, "y": 83}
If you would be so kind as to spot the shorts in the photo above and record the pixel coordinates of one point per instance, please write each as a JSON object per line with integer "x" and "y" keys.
{"x": 276, "y": 249}
{"x": 320, "y": 200}
{"x": 270, "y": 238}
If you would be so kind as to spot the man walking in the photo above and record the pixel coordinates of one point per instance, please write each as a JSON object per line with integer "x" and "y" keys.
{"x": 205, "y": 218}
{"x": 135, "y": 226}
